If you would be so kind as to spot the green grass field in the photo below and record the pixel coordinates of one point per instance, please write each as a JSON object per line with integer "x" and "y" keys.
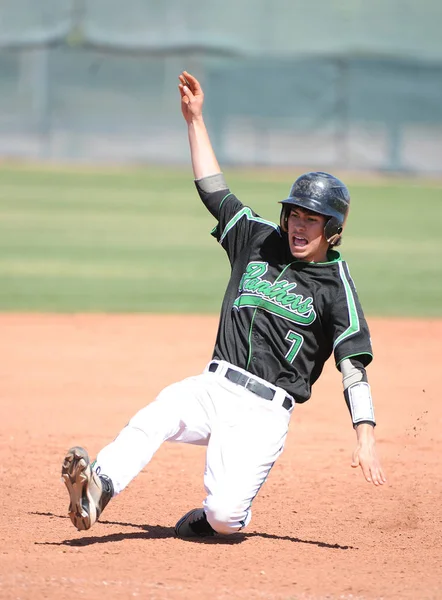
{"x": 138, "y": 240}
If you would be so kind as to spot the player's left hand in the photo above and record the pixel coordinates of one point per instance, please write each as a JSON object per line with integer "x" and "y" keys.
{"x": 365, "y": 456}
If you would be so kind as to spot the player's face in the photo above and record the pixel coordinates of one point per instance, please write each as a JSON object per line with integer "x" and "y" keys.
{"x": 306, "y": 235}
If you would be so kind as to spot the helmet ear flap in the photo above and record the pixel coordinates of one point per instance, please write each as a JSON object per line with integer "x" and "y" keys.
{"x": 285, "y": 211}
{"x": 333, "y": 231}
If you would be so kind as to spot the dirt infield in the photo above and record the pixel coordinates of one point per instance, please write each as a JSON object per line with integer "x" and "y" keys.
{"x": 318, "y": 531}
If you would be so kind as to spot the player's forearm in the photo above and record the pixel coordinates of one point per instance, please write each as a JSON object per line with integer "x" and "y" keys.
{"x": 365, "y": 433}
{"x": 204, "y": 161}
{"x": 357, "y": 392}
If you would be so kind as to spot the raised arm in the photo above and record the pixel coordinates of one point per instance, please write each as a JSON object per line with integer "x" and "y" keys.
{"x": 204, "y": 161}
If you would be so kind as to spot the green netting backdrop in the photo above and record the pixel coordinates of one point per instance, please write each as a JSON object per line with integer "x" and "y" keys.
{"x": 349, "y": 83}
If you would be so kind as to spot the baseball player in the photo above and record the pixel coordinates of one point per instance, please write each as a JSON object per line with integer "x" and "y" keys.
{"x": 290, "y": 303}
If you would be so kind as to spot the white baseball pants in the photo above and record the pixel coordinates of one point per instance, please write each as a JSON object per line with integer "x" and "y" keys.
{"x": 243, "y": 432}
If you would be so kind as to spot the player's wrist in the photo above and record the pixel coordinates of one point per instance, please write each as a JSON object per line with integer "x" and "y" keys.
{"x": 196, "y": 121}
{"x": 365, "y": 432}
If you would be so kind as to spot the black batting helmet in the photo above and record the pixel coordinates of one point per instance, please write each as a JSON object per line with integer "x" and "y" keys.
{"x": 321, "y": 193}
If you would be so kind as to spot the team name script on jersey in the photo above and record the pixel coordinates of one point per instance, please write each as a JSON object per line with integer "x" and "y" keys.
{"x": 276, "y": 298}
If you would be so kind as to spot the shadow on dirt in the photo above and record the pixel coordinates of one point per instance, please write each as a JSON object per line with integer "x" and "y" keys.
{"x": 152, "y": 532}
{"x": 300, "y": 541}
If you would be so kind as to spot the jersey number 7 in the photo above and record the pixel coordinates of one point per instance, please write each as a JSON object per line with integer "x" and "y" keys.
{"x": 296, "y": 342}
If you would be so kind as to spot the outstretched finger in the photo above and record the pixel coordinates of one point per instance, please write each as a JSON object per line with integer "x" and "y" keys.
{"x": 374, "y": 478}
{"x": 367, "y": 475}
{"x": 366, "y": 471}
{"x": 192, "y": 82}
{"x": 378, "y": 476}
{"x": 186, "y": 91}
{"x": 190, "y": 78}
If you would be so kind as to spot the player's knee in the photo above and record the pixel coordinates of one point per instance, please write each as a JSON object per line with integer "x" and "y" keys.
{"x": 226, "y": 516}
{"x": 157, "y": 411}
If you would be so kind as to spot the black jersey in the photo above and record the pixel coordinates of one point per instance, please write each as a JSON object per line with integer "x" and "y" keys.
{"x": 281, "y": 318}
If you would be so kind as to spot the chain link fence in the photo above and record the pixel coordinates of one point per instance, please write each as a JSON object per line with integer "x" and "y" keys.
{"x": 340, "y": 83}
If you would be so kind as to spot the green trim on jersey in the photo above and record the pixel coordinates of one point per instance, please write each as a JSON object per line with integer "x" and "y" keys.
{"x": 334, "y": 257}
{"x": 353, "y": 317}
{"x": 250, "y": 338}
{"x": 247, "y": 212}
{"x": 226, "y": 196}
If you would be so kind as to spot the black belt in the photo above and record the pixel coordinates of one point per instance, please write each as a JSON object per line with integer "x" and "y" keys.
{"x": 251, "y": 384}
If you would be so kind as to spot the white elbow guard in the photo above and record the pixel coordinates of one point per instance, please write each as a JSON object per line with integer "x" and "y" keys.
{"x": 360, "y": 403}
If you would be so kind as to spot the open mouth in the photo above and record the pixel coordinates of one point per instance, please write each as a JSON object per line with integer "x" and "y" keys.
{"x": 299, "y": 242}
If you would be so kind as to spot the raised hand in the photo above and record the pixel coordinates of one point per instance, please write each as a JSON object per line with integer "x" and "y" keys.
{"x": 192, "y": 97}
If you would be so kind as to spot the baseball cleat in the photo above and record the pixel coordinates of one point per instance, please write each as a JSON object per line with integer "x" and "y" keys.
{"x": 88, "y": 492}
{"x": 194, "y": 524}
